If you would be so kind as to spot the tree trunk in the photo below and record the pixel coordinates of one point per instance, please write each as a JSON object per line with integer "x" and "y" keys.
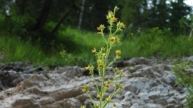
{"x": 190, "y": 35}
{"x": 81, "y": 14}
{"x": 63, "y": 18}
{"x": 22, "y": 6}
{"x": 44, "y": 15}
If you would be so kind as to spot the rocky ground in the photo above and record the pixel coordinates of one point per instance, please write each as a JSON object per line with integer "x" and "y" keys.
{"x": 148, "y": 84}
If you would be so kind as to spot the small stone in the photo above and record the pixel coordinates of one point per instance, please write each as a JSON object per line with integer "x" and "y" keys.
{"x": 161, "y": 101}
{"x": 129, "y": 96}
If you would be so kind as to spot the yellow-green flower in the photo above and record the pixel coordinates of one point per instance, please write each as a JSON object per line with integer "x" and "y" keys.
{"x": 114, "y": 105}
{"x": 83, "y": 89}
{"x": 99, "y": 60}
{"x": 102, "y": 49}
{"x": 96, "y": 105}
{"x": 104, "y": 55}
{"x": 98, "y": 96}
{"x": 116, "y": 69}
{"x": 100, "y": 65}
{"x": 116, "y": 8}
{"x": 101, "y": 27}
{"x": 121, "y": 86}
{"x": 88, "y": 67}
{"x": 122, "y": 72}
{"x": 108, "y": 17}
{"x": 94, "y": 50}
{"x": 82, "y": 107}
{"x": 109, "y": 81}
{"x": 116, "y": 84}
{"x": 110, "y": 14}
{"x": 107, "y": 85}
{"x": 112, "y": 38}
{"x": 117, "y": 40}
{"x": 122, "y": 25}
{"x": 114, "y": 19}
{"x": 108, "y": 99}
{"x": 118, "y": 52}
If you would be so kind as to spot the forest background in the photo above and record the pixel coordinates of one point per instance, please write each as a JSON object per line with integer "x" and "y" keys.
{"x": 62, "y": 32}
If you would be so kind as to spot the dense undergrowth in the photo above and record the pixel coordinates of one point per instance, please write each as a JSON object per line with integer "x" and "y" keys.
{"x": 74, "y": 47}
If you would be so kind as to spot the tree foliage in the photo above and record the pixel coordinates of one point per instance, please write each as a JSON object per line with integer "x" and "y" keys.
{"x": 42, "y": 19}
{"x": 155, "y": 13}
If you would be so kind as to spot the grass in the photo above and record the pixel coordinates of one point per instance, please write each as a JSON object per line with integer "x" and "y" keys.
{"x": 13, "y": 49}
{"x": 78, "y": 45}
{"x": 160, "y": 45}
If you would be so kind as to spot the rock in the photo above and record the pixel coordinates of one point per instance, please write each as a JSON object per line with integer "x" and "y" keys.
{"x": 152, "y": 105}
{"x": 131, "y": 62}
{"x": 138, "y": 105}
{"x": 172, "y": 101}
{"x": 131, "y": 88}
{"x": 137, "y": 61}
{"x": 135, "y": 68}
{"x": 129, "y": 96}
{"x": 169, "y": 78}
{"x": 25, "y": 103}
{"x": 161, "y": 101}
{"x": 155, "y": 95}
{"x": 15, "y": 72}
{"x": 143, "y": 96}
{"x": 33, "y": 70}
{"x": 148, "y": 84}
{"x": 189, "y": 59}
{"x": 170, "y": 106}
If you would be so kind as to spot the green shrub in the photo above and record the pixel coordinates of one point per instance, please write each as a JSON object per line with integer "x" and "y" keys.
{"x": 185, "y": 77}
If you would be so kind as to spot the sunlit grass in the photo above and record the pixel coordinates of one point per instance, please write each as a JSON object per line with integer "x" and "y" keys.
{"x": 16, "y": 50}
{"x": 81, "y": 42}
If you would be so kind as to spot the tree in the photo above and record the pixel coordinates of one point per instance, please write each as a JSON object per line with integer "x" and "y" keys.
{"x": 154, "y": 13}
{"x": 40, "y": 22}
{"x": 131, "y": 11}
{"x": 81, "y": 14}
{"x": 95, "y": 13}
{"x": 158, "y": 15}
{"x": 179, "y": 10}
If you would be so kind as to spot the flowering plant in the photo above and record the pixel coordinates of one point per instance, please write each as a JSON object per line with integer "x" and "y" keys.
{"x": 103, "y": 63}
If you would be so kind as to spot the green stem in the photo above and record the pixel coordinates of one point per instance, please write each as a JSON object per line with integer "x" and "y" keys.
{"x": 108, "y": 48}
{"x": 96, "y": 83}
{"x": 103, "y": 37}
{"x": 112, "y": 62}
{"x": 89, "y": 95}
{"x": 114, "y": 93}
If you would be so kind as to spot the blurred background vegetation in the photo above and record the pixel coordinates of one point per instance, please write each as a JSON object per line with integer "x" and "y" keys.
{"x": 62, "y": 32}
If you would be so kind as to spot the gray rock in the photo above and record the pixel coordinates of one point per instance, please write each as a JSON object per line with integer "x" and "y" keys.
{"x": 138, "y": 105}
{"x": 169, "y": 78}
{"x": 129, "y": 96}
{"x": 155, "y": 95}
{"x": 161, "y": 101}
{"x": 148, "y": 84}
{"x": 151, "y": 105}
{"x": 189, "y": 59}
{"x": 172, "y": 101}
